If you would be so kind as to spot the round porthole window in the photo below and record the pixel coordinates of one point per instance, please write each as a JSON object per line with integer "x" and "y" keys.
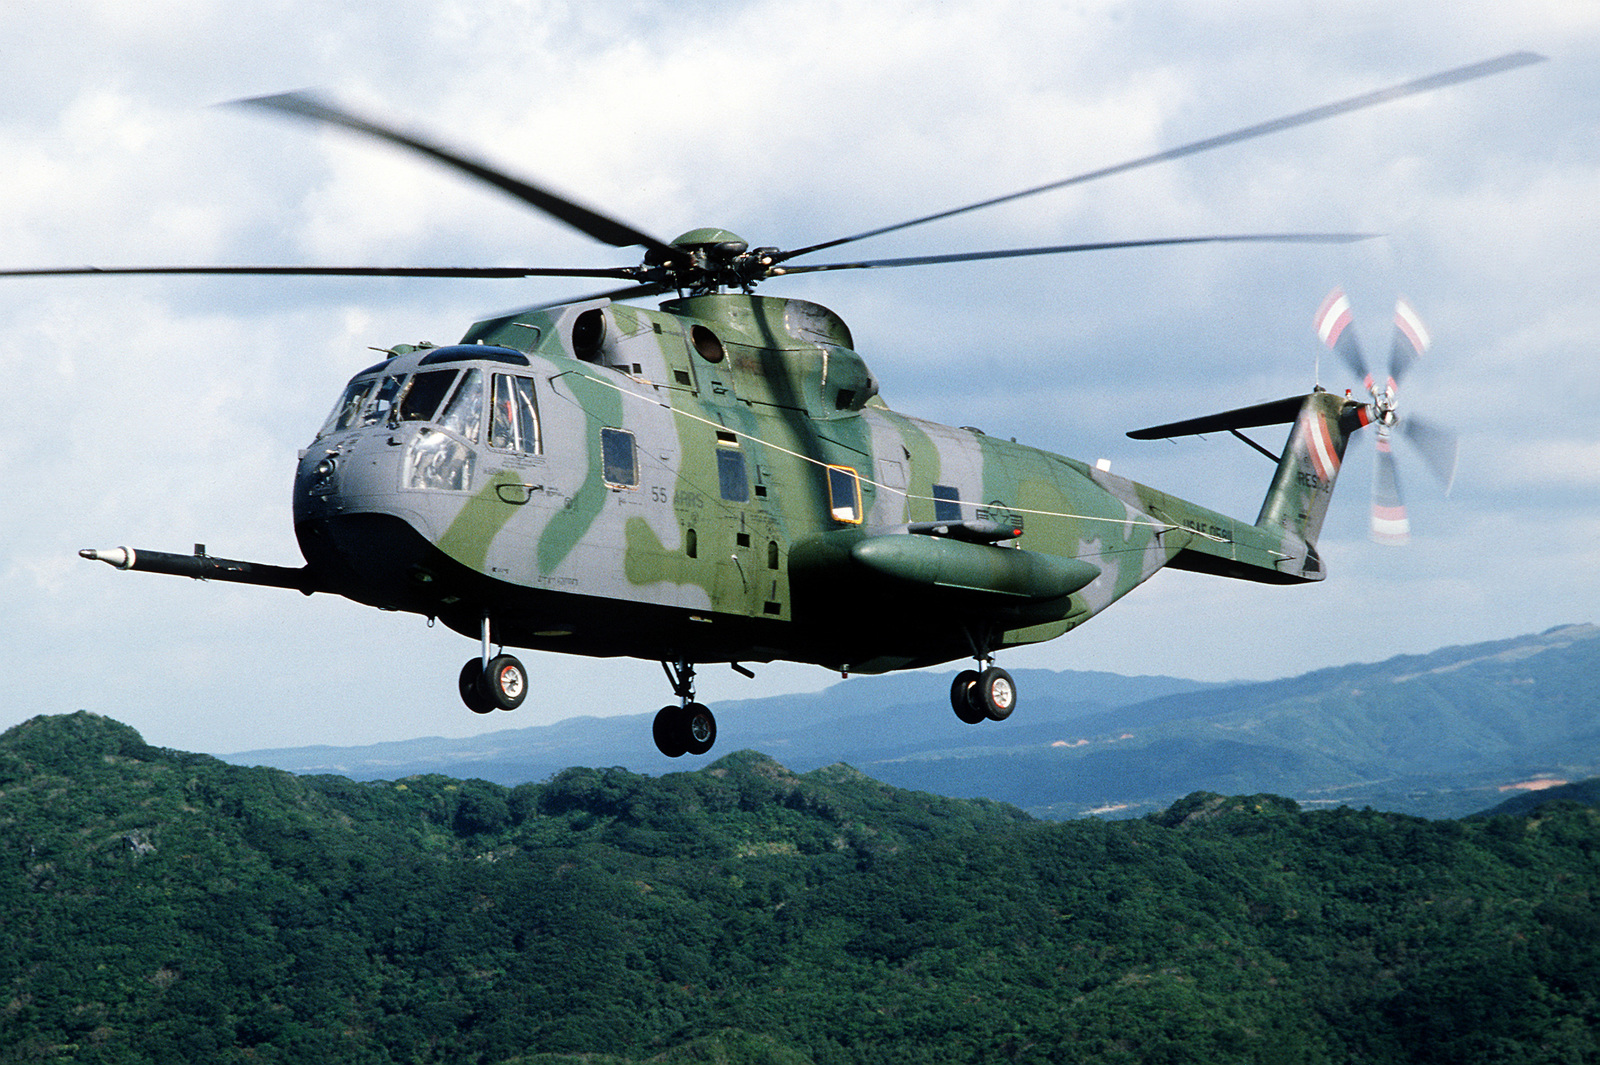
{"x": 707, "y": 344}
{"x": 588, "y": 333}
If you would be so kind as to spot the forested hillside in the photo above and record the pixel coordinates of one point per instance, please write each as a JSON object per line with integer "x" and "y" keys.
{"x": 157, "y": 906}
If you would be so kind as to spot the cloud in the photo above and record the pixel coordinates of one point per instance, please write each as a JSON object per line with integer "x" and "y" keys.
{"x": 161, "y": 412}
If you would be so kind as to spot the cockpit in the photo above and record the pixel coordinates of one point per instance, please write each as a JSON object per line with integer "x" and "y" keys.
{"x": 446, "y": 407}
{"x": 384, "y": 394}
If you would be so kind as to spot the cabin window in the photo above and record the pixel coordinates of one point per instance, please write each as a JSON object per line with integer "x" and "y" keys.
{"x": 844, "y": 494}
{"x": 946, "y": 503}
{"x": 514, "y": 416}
{"x": 422, "y": 395}
{"x": 731, "y": 475}
{"x": 619, "y": 457}
{"x": 463, "y": 414}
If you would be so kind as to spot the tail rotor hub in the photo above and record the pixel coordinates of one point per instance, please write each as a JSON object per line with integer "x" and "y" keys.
{"x": 1383, "y": 405}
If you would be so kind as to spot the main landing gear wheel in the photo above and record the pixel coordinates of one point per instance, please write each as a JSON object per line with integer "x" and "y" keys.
{"x": 963, "y": 697}
{"x": 507, "y": 682}
{"x": 987, "y": 696}
{"x": 473, "y": 691}
{"x": 501, "y": 686}
{"x": 680, "y": 730}
{"x": 996, "y": 692}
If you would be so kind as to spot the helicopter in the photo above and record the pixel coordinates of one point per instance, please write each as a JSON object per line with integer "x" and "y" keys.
{"x": 718, "y": 480}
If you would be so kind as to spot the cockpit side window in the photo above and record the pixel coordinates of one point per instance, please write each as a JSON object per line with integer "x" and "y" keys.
{"x": 514, "y": 416}
{"x": 464, "y": 413}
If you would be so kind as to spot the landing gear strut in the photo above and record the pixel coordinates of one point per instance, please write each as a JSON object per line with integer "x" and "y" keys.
{"x": 688, "y": 728}
{"x": 988, "y": 694}
{"x": 492, "y": 682}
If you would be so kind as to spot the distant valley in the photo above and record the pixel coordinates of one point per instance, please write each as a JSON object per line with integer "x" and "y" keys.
{"x": 1443, "y": 734}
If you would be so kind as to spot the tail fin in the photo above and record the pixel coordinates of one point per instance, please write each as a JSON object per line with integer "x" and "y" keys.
{"x": 1297, "y": 502}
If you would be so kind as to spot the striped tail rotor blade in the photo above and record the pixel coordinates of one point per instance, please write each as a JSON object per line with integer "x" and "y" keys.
{"x": 1333, "y": 329}
{"x": 1438, "y": 446}
{"x": 1411, "y": 341}
{"x": 1389, "y": 522}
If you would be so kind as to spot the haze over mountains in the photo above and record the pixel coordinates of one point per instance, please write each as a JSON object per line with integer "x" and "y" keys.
{"x": 1443, "y": 734}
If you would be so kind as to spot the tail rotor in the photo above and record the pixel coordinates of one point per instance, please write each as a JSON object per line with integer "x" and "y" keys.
{"x": 1437, "y": 446}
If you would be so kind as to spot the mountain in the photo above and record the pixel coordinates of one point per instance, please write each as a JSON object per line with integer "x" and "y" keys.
{"x": 1583, "y": 792}
{"x": 865, "y": 720}
{"x": 163, "y": 906}
{"x": 1441, "y": 735}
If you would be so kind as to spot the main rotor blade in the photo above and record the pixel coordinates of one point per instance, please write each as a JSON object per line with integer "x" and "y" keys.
{"x": 1062, "y": 249}
{"x": 585, "y": 220}
{"x": 334, "y": 271}
{"x": 1497, "y": 65}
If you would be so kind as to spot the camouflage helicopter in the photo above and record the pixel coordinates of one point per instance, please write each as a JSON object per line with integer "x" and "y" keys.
{"x": 718, "y": 481}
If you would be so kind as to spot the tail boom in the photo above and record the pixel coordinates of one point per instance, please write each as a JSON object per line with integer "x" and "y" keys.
{"x": 1280, "y": 548}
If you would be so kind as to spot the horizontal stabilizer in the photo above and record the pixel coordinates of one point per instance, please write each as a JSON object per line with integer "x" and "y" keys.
{"x": 1277, "y": 412}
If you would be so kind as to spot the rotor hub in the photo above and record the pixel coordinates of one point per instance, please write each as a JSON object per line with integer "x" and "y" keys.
{"x": 708, "y": 260}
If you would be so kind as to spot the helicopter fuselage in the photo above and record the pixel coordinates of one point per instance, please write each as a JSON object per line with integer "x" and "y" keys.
{"x": 718, "y": 481}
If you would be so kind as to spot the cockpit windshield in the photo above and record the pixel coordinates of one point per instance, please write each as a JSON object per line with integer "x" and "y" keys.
{"x": 423, "y": 393}
{"x": 348, "y": 410}
{"x": 398, "y": 398}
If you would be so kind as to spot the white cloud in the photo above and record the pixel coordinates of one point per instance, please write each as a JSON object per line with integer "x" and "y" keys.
{"x": 167, "y": 411}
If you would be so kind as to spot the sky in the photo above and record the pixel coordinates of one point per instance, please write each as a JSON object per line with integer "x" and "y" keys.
{"x": 163, "y": 412}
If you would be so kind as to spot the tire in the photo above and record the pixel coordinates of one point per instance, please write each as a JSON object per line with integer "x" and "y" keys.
{"x": 670, "y": 731}
{"x": 997, "y": 692}
{"x": 505, "y": 682}
{"x": 699, "y": 728}
{"x": 473, "y": 691}
{"x": 963, "y": 697}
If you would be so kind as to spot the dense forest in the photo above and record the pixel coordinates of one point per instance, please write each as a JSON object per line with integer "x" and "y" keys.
{"x": 157, "y": 906}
